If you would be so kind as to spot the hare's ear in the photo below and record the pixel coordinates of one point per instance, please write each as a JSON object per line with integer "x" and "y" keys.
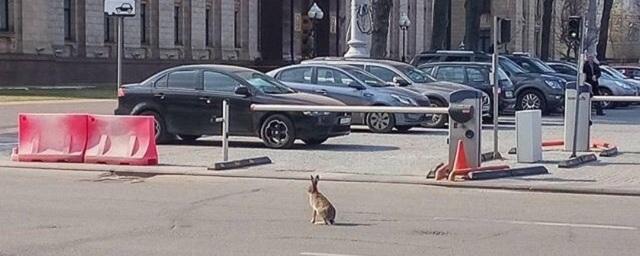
{"x": 317, "y": 178}
{"x": 313, "y": 180}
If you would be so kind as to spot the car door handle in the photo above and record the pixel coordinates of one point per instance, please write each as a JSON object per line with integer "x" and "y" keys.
{"x": 159, "y": 95}
{"x": 321, "y": 91}
{"x": 207, "y": 99}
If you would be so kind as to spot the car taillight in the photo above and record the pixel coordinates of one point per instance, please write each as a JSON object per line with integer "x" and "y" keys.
{"x": 120, "y": 92}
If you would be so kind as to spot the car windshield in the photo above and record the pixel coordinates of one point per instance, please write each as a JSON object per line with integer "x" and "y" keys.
{"x": 511, "y": 66}
{"x": 502, "y": 75}
{"x": 368, "y": 78}
{"x": 264, "y": 83}
{"x": 608, "y": 76}
{"x": 614, "y": 72}
{"x": 536, "y": 66}
{"x": 416, "y": 75}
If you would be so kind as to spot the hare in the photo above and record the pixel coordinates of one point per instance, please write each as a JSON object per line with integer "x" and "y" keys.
{"x": 320, "y": 204}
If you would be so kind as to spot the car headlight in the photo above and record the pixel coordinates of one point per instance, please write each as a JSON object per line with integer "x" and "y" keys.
{"x": 508, "y": 94}
{"x": 316, "y": 113}
{"x": 404, "y": 100}
{"x": 553, "y": 84}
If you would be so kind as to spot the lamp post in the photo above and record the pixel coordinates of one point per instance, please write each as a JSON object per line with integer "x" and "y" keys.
{"x": 315, "y": 14}
{"x": 405, "y": 22}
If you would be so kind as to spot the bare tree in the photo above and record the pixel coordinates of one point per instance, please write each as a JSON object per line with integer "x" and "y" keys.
{"x": 569, "y": 8}
{"x": 440, "y": 37}
{"x": 604, "y": 30}
{"x": 381, "y": 13}
{"x": 591, "y": 37}
{"x": 472, "y": 23}
{"x": 547, "y": 14}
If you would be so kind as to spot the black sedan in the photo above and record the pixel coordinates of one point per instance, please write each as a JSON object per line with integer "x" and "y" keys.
{"x": 186, "y": 100}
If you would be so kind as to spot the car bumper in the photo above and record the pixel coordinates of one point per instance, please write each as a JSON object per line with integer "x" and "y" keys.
{"x": 507, "y": 104}
{"x": 555, "y": 101}
{"x": 411, "y": 119}
{"x": 323, "y": 126}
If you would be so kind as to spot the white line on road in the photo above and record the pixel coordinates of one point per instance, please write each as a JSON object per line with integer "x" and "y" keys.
{"x": 8, "y": 143}
{"x": 540, "y": 223}
{"x": 324, "y": 254}
{"x": 60, "y": 101}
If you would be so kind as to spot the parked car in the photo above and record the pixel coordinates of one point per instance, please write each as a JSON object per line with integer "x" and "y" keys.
{"x": 533, "y": 91}
{"x": 186, "y": 101}
{"x": 609, "y": 85}
{"x": 449, "y": 56}
{"x": 631, "y": 72}
{"x": 476, "y": 75}
{"x": 537, "y": 66}
{"x": 356, "y": 87}
{"x": 404, "y": 75}
{"x": 617, "y": 74}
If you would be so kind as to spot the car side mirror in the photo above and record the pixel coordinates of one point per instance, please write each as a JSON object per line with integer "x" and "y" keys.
{"x": 242, "y": 90}
{"x": 399, "y": 81}
{"x": 356, "y": 86}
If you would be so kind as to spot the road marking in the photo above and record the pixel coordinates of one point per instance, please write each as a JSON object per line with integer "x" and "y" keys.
{"x": 324, "y": 254}
{"x": 540, "y": 223}
{"x": 8, "y": 143}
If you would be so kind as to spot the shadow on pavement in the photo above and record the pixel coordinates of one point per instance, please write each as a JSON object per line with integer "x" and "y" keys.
{"x": 351, "y": 224}
{"x": 555, "y": 179}
{"x": 299, "y": 146}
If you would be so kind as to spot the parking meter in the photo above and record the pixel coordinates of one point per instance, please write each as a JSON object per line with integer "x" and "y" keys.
{"x": 583, "y": 117}
{"x": 465, "y": 123}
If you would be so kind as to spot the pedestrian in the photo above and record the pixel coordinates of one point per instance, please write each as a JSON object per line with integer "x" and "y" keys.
{"x": 592, "y": 72}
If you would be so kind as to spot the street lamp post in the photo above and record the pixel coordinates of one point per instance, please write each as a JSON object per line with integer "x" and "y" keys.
{"x": 315, "y": 14}
{"x": 405, "y": 22}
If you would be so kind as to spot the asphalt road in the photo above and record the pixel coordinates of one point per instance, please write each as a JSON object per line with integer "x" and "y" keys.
{"x": 81, "y": 213}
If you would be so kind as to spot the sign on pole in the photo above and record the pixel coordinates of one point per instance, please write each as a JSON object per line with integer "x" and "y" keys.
{"x": 120, "y": 9}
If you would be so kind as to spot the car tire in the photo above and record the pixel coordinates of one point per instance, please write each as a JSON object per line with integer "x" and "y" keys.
{"x": 532, "y": 100}
{"x": 162, "y": 136}
{"x": 314, "y": 141}
{"x": 437, "y": 121}
{"x": 277, "y": 131}
{"x": 189, "y": 138}
{"x": 380, "y": 122}
{"x": 607, "y": 104}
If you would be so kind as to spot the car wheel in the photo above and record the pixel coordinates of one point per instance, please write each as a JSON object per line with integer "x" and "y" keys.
{"x": 437, "y": 121}
{"x": 277, "y": 131}
{"x": 403, "y": 128}
{"x": 189, "y": 138}
{"x": 162, "y": 136}
{"x": 380, "y": 122}
{"x": 314, "y": 141}
{"x": 606, "y": 104}
{"x": 531, "y": 100}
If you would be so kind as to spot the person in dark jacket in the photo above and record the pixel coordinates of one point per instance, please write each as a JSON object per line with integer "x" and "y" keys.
{"x": 592, "y": 72}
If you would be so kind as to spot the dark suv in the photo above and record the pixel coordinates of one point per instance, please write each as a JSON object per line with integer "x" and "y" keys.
{"x": 533, "y": 90}
{"x": 476, "y": 75}
{"x": 186, "y": 101}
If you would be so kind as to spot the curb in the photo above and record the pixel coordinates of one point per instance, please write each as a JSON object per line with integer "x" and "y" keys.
{"x": 354, "y": 178}
{"x": 60, "y": 101}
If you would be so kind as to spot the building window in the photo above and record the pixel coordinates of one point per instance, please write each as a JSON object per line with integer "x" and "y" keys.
{"x": 236, "y": 22}
{"x": 485, "y": 7}
{"x": 143, "y": 23}
{"x": 4, "y": 15}
{"x": 68, "y": 25}
{"x": 207, "y": 20}
{"x": 108, "y": 29}
{"x": 176, "y": 25}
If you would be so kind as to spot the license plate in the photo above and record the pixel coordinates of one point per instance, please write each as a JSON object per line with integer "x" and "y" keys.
{"x": 345, "y": 120}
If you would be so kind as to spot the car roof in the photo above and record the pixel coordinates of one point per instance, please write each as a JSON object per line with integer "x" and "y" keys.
{"x": 443, "y": 52}
{"x": 629, "y": 67}
{"x": 365, "y": 60}
{"x": 458, "y": 63}
{"x": 227, "y": 68}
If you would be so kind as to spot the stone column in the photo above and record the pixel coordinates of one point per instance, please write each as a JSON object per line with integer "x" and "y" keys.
{"x": 198, "y": 33}
{"x": 132, "y": 36}
{"x": 253, "y": 29}
{"x": 166, "y": 35}
{"x": 357, "y": 44}
{"x": 94, "y": 29}
{"x": 227, "y": 10}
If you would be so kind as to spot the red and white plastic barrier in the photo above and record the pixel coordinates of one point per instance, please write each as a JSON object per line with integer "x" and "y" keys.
{"x": 121, "y": 140}
{"x": 86, "y": 138}
{"x": 51, "y": 138}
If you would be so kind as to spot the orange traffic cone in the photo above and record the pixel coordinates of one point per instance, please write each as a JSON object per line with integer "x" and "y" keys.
{"x": 460, "y": 162}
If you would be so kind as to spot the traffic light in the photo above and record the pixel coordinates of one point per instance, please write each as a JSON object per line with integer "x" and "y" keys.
{"x": 574, "y": 28}
{"x": 505, "y": 30}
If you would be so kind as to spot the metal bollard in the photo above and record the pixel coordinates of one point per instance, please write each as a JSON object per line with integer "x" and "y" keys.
{"x": 225, "y": 130}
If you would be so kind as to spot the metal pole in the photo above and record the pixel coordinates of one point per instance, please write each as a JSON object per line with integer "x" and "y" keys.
{"x": 120, "y": 28}
{"x": 578, "y": 84}
{"x": 496, "y": 92}
{"x": 404, "y": 44}
{"x": 225, "y": 130}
